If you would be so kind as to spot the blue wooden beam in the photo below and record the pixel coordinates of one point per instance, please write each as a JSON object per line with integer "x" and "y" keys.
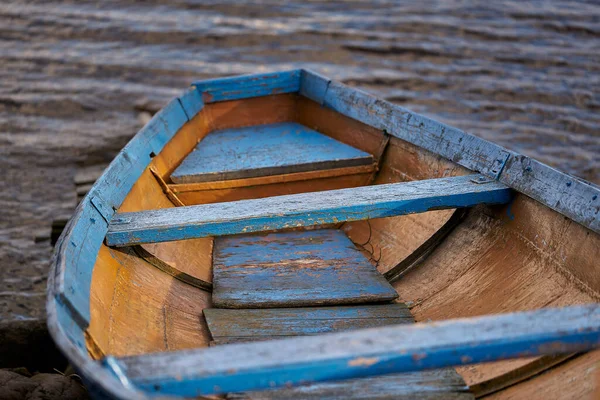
{"x": 246, "y": 86}
{"x": 367, "y": 352}
{"x": 305, "y": 209}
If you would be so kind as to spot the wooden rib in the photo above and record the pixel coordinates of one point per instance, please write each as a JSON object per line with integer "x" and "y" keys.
{"x": 512, "y": 259}
{"x": 265, "y": 180}
{"x": 174, "y": 272}
{"x": 518, "y": 375}
{"x": 274, "y": 189}
{"x": 305, "y": 209}
{"x": 576, "y": 378}
{"x": 367, "y": 352}
{"x": 388, "y": 241}
{"x": 417, "y": 256}
{"x": 167, "y": 191}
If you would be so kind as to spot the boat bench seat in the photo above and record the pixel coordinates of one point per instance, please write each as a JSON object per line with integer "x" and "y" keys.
{"x": 263, "y": 150}
{"x": 294, "y": 269}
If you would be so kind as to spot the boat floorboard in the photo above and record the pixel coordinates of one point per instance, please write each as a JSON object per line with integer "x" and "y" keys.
{"x": 228, "y": 326}
{"x": 294, "y": 269}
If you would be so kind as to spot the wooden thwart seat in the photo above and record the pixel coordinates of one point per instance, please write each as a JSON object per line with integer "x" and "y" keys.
{"x": 293, "y": 269}
{"x": 236, "y": 326}
{"x": 306, "y": 209}
{"x": 364, "y": 353}
{"x": 262, "y": 150}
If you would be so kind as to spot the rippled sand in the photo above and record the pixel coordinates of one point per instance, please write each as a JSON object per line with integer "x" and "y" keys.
{"x": 74, "y": 77}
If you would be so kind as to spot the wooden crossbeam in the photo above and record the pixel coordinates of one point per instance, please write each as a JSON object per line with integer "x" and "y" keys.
{"x": 366, "y": 352}
{"x": 306, "y": 209}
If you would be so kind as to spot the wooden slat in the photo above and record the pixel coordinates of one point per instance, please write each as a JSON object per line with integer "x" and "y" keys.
{"x": 294, "y": 269}
{"x": 243, "y": 87}
{"x": 368, "y": 352}
{"x": 305, "y": 209}
{"x": 280, "y": 322}
{"x": 263, "y": 150}
{"x": 272, "y": 179}
{"x": 426, "y": 385}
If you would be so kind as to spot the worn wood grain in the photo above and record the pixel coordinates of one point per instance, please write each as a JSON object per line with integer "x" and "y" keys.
{"x": 424, "y": 385}
{"x": 519, "y": 374}
{"x": 137, "y": 308}
{"x": 247, "y": 324}
{"x": 271, "y": 179}
{"x": 294, "y": 269}
{"x": 522, "y": 257}
{"x": 265, "y": 150}
{"x": 261, "y": 191}
{"x": 302, "y": 210}
{"x": 170, "y": 270}
{"x": 368, "y": 352}
{"x": 243, "y": 87}
{"x": 577, "y": 378}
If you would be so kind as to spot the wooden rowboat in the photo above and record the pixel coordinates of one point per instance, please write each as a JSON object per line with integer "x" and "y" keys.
{"x": 277, "y": 236}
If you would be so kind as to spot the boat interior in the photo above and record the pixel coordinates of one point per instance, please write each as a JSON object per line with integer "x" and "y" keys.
{"x": 502, "y": 252}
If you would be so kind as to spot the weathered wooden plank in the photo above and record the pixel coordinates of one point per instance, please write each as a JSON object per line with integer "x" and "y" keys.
{"x": 566, "y": 194}
{"x": 304, "y": 209}
{"x": 313, "y": 86}
{"x": 302, "y": 321}
{"x": 294, "y": 269}
{"x": 243, "y": 87}
{"x": 368, "y": 352}
{"x": 424, "y": 385}
{"x": 191, "y": 102}
{"x": 260, "y": 324}
{"x": 272, "y": 179}
{"x": 263, "y": 150}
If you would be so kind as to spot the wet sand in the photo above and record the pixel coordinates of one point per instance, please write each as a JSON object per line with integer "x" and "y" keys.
{"x": 74, "y": 77}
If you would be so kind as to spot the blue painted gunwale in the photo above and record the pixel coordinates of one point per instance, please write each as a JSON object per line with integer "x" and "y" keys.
{"x": 68, "y": 282}
{"x": 304, "y": 209}
{"x": 246, "y": 86}
{"x": 366, "y": 352}
{"x": 75, "y": 254}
